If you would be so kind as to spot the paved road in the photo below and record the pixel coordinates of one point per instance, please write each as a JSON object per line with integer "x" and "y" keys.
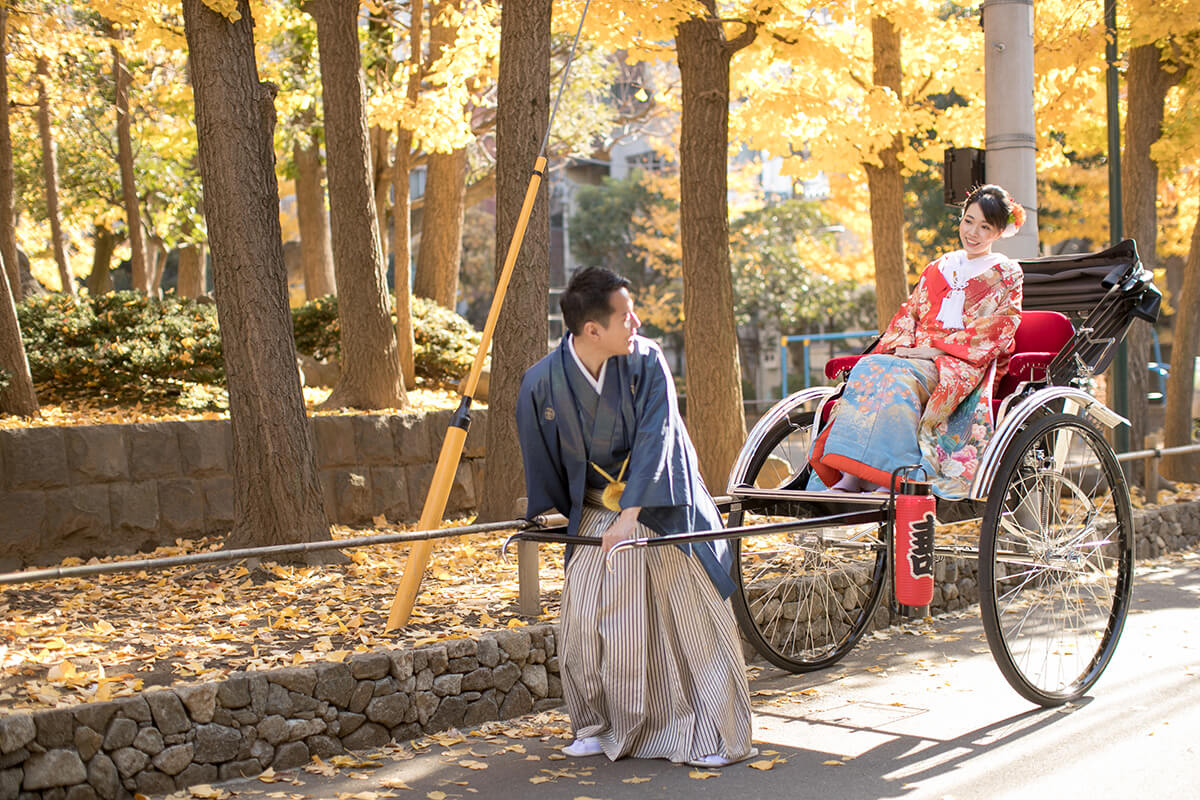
{"x": 918, "y": 713}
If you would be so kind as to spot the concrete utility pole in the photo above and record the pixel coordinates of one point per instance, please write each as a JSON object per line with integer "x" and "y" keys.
{"x": 1010, "y": 139}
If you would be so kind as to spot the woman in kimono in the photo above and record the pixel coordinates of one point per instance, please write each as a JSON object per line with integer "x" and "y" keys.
{"x": 648, "y": 652}
{"x": 923, "y": 395}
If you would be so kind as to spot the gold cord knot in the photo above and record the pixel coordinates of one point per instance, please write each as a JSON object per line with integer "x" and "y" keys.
{"x": 611, "y": 498}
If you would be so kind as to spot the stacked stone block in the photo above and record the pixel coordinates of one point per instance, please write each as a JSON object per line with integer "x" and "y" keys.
{"x": 166, "y": 739}
{"x": 102, "y": 490}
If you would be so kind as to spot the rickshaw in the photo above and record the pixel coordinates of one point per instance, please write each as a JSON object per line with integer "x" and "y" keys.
{"x": 1055, "y": 542}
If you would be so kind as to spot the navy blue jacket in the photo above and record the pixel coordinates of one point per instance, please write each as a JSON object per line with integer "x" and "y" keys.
{"x": 637, "y": 415}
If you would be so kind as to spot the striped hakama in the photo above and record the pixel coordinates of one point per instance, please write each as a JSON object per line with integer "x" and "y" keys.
{"x": 649, "y": 654}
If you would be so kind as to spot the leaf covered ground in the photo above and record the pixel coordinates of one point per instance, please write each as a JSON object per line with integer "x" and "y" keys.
{"x": 77, "y": 640}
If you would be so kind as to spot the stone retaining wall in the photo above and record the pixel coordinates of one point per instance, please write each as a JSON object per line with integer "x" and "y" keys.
{"x": 102, "y": 490}
{"x": 166, "y": 739}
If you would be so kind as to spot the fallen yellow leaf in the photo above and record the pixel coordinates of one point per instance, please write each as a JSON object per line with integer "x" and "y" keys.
{"x": 763, "y": 764}
{"x": 635, "y": 779}
{"x": 469, "y": 764}
{"x": 62, "y": 672}
{"x": 833, "y": 763}
{"x": 702, "y": 775}
{"x": 448, "y": 739}
{"x": 394, "y": 783}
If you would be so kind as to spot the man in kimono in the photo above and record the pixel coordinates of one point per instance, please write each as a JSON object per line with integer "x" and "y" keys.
{"x": 649, "y": 654}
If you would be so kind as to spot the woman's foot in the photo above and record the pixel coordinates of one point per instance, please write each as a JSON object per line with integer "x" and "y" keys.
{"x": 717, "y": 761}
{"x": 848, "y": 483}
{"x": 587, "y": 746}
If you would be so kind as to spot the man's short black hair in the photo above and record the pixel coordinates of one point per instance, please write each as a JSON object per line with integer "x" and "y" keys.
{"x": 588, "y": 297}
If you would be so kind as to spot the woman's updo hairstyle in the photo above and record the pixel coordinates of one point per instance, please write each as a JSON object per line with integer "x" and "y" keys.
{"x": 999, "y": 209}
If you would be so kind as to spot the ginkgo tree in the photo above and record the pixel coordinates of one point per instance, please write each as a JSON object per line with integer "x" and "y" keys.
{"x": 276, "y": 489}
{"x": 862, "y": 97}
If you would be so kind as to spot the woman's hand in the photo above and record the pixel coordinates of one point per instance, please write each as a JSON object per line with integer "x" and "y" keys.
{"x": 624, "y": 528}
{"x": 930, "y": 353}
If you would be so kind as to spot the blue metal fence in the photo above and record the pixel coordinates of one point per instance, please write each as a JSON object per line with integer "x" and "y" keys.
{"x": 805, "y": 339}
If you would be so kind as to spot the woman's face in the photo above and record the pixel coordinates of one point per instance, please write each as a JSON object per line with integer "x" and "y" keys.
{"x": 976, "y": 233}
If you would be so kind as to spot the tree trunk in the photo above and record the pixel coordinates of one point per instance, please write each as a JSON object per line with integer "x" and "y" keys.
{"x": 156, "y": 263}
{"x": 402, "y": 260}
{"x": 16, "y": 391}
{"x": 30, "y": 286}
{"x": 714, "y": 387}
{"x": 129, "y": 195}
{"x": 8, "y": 220}
{"x": 523, "y": 108}
{"x": 50, "y": 178}
{"x": 439, "y": 257}
{"x": 402, "y": 209}
{"x": 370, "y": 376}
{"x": 1148, "y": 84}
{"x": 380, "y": 138}
{"x": 316, "y": 249}
{"x": 886, "y": 185}
{"x": 277, "y": 493}
{"x": 440, "y": 254}
{"x": 192, "y": 277}
{"x": 1181, "y": 383}
{"x": 104, "y": 242}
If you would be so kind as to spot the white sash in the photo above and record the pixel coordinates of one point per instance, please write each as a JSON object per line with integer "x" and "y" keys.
{"x": 957, "y": 269}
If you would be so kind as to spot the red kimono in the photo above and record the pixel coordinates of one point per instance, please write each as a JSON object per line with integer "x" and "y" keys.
{"x": 937, "y": 412}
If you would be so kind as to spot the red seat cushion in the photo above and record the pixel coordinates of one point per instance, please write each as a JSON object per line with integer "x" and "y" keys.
{"x": 836, "y": 368}
{"x": 1040, "y": 336}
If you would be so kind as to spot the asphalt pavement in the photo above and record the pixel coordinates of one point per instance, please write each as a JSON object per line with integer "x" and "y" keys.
{"x": 919, "y": 711}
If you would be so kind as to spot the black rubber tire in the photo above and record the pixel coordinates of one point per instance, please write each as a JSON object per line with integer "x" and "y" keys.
{"x": 1055, "y": 578}
{"x": 805, "y": 574}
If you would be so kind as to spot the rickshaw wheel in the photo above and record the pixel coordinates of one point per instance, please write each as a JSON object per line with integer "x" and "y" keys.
{"x": 1056, "y": 559}
{"x": 805, "y": 597}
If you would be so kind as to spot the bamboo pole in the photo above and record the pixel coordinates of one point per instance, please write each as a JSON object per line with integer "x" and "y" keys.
{"x": 456, "y": 433}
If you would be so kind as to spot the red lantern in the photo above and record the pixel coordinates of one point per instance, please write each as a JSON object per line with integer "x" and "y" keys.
{"x": 915, "y": 523}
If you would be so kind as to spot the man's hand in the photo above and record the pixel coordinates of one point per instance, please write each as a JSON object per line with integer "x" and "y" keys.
{"x": 624, "y": 528}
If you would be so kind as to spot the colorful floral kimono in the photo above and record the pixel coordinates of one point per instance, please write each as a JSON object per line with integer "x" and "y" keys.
{"x": 934, "y": 412}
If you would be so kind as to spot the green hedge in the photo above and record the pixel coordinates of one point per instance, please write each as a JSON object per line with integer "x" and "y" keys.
{"x": 120, "y": 345}
{"x": 444, "y": 344}
{"x": 124, "y": 346}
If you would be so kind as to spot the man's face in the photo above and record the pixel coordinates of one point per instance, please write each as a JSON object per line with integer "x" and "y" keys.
{"x": 616, "y": 338}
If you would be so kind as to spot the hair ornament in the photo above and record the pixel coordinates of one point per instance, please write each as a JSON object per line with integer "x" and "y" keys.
{"x": 1016, "y": 218}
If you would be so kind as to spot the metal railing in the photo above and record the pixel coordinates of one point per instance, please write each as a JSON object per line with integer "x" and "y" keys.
{"x": 805, "y": 340}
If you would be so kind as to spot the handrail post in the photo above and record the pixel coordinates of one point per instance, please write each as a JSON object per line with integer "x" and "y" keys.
{"x": 783, "y": 358}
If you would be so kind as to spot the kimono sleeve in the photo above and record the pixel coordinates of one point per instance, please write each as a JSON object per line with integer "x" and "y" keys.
{"x": 991, "y": 325}
{"x": 658, "y": 461}
{"x": 901, "y": 330}
{"x": 545, "y": 479}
